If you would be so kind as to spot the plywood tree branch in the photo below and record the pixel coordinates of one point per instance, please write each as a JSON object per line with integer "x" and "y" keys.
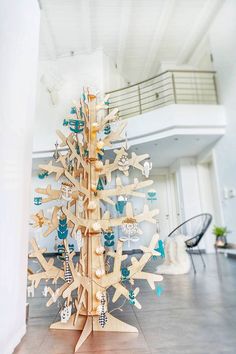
{"x": 82, "y": 166}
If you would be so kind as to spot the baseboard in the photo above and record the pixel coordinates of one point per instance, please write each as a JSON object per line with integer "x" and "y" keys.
{"x": 15, "y": 340}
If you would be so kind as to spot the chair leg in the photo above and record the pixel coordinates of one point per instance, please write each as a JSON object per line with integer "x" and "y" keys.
{"x": 194, "y": 269}
{"x": 203, "y": 262}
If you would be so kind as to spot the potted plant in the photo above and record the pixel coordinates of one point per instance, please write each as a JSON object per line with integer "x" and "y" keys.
{"x": 220, "y": 233}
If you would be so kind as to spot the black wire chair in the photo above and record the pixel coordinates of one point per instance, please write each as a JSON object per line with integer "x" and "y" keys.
{"x": 195, "y": 228}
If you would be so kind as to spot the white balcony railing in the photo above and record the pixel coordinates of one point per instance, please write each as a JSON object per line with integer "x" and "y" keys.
{"x": 170, "y": 87}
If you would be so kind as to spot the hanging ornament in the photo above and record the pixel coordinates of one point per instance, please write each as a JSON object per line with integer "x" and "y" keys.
{"x": 56, "y": 243}
{"x": 102, "y": 317}
{"x": 159, "y": 290}
{"x": 99, "y": 185}
{"x": 66, "y": 191}
{"x": 37, "y": 200}
{"x": 151, "y": 195}
{"x": 56, "y": 153}
{"x": 73, "y": 110}
{"x": 120, "y": 204}
{"x": 70, "y": 167}
{"x": 65, "y": 122}
{"x": 79, "y": 239}
{"x": 160, "y": 248}
{"x": 66, "y": 313}
{"x": 130, "y": 229}
{"x": 80, "y": 205}
{"x": 76, "y": 125}
{"x": 131, "y": 297}
{"x": 45, "y": 291}
{"x": 62, "y": 230}
{"x": 123, "y": 163}
{"x": 126, "y": 141}
{"x": 125, "y": 274}
{"x": 109, "y": 238}
{"x": 147, "y": 166}
{"x": 42, "y": 175}
{"x": 85, "y": 153}
{"x": 68, "y": 275}
{"x": 107, "y": 129}
{"x": 30, "y": 290}
{"x": 77, "y": 148}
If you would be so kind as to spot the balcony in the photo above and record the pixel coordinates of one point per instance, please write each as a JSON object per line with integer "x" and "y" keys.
{"x": 169, "y": 87}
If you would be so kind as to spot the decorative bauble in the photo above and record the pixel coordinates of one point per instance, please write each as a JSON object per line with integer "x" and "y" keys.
{"x": 99, "y": 273}
{"x": 98, "y": 165}
{"x": 100, "y": 250}
{"x": 96, "y": 226}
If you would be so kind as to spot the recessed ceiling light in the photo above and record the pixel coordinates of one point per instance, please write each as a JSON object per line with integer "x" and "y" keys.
{"x": 176, "y": 139}
{"x": 197, "y": 139}
{"x": 155, "y": 144}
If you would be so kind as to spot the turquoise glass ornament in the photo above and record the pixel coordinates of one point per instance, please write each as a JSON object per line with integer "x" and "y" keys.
{"x": 125, "y": 273}
{"x": 76, "y": 125}
{"x": 131, "y": 297}
{"x": 73, "y": 110}
{"x": 100, "y": 185}
{"x": 109, "y": 238}
{"x": 159, "y": 290}
{"x": 37, "y": 200}
{"x": 160, "y": 248}
{"x": 151, "y": 195}
{"x": 62, "y": 230}
{"x": 120, "y": 204}
{"x": 42, "y": 175}
{"x": 107, "y": 129}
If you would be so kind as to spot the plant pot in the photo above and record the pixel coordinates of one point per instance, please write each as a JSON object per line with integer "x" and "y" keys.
{"x": 221, "y": 241}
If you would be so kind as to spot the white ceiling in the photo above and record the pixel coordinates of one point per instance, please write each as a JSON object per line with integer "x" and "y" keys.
{"x": 164, "y": 152}
{"x": 137, "y": 34}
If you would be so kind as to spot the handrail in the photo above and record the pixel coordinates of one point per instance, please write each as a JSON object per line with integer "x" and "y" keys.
{"x": 172, "y": 87}
{"x": 164, "y": 72}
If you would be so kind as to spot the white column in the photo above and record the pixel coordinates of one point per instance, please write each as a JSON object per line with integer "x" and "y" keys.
{"x": 19, "y": 37}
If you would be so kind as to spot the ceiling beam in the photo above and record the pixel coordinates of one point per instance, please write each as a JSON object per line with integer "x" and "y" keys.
{"x": 204, "y": 20}
{"x": 123, "y": 33}
{"x": 151, "y": 62}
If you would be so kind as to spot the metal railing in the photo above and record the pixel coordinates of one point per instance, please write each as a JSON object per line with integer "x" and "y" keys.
{"x": 170, "y": 87}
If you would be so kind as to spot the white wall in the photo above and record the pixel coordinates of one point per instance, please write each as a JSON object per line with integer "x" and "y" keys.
{"x": 66, "y": 77}
{"x": 19, "y": 29}
{"x": 222, "y": 39}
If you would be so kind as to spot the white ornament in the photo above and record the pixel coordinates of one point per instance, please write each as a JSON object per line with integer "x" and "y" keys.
{"x": 66, "y": 192}
{"x": 45, "y": 291}
{"x": 79, "y": 239}
{"x": 80, "y": 205}
{"x": 147, "y": 166}
{"x": 30, "y": 290}
{"x": 123, "y": 163}
{"x": 66, "y": 313}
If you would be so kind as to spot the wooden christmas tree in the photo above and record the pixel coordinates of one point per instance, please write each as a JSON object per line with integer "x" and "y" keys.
{"x": 84, "y": 188}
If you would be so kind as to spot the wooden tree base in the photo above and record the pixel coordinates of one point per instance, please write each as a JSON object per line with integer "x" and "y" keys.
{"x": 89, "y": 324}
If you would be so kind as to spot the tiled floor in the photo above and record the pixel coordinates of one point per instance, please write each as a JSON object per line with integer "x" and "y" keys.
{"x": 194, "y": 315}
